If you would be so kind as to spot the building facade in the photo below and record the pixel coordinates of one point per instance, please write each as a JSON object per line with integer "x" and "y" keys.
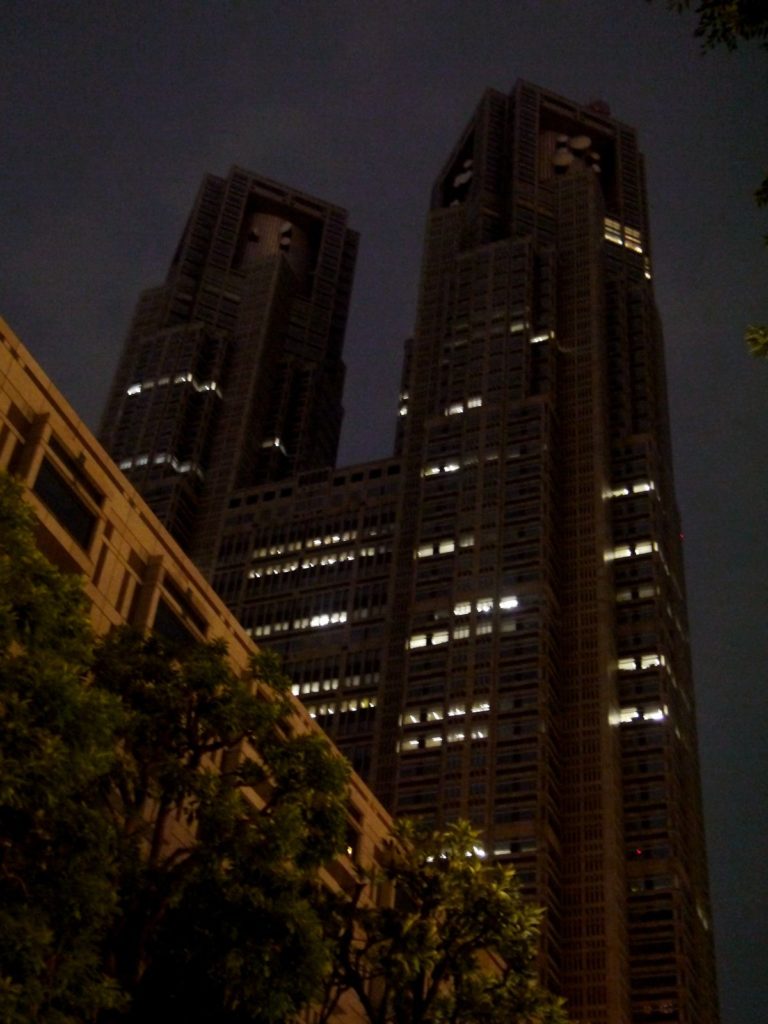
{"x": 91, "y": 522}
{"x": 257, "y": 297}
{"x": 492, "y": 623}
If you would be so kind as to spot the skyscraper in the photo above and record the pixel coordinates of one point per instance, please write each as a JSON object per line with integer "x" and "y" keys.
{"x": 257, "y": 296}
{"x": 492, "y": 623}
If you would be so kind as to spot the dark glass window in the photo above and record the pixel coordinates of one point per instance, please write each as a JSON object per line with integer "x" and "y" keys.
{"x": 169, "y": 625}
{"x": 63, "y": 501}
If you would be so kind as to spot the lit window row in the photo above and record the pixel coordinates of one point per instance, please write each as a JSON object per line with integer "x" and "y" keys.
{"x": 455, "y": 408}
{"x": 640, "y": 547}
{"x": 437, "y": 712}
{"x": 536, "y": 339}
{"x": 436, "y": 468}
{"x": 180, "y": 378}
{"x": 637, "y": 714}
{"x": 437, "y": 739}
{"x": 314, "y": 686}
{"x": 458, "y": 632}
{"x": 526, "y": 845}
{"x": 311, "y": 562}
{"x": 355, "y": 680}
{"x": 647, "y": 590}
{"x": 308, "y": 622}
{"x": 341, "y": 707}
{"x": 299, "y": 545}
{"x": 628, "y": 237}
{"x": 163, "y": 459}
{"x": 318, "y": 621}
{"x": 445, "y": 546}
{"x": 641, "y": 662}
{"x": 484, "y": 605}
{"x": 478, "y": 851}
{"x": 637, "y": 488}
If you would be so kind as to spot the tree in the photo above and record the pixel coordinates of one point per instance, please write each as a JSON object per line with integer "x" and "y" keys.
{"x": 57, "y": 892}
{"x": 726, "y": 23}
{"x": 161, "y": 820}
{"x": 218, "y": 852}
{"x": 457, "y": 946}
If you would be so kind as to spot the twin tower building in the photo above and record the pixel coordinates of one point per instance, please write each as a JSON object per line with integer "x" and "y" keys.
{"x": 490, "y": 624}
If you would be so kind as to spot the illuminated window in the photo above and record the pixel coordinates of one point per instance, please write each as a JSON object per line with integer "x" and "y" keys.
{"x": 654, "y": 714}
{"x": 327, "y": 619}
{"x": 620, "y": 552}
{"x": 633, "y": 239}
{"x": 651, "y": 660}
{"x": 612, "y": 231}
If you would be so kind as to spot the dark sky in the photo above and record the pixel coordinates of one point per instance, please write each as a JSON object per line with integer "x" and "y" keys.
{"x": 111, "y": 113}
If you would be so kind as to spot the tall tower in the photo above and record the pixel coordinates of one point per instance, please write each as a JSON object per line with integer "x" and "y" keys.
{"x": 538, "y": 572}
{"x": 232, "y": 371}
{"x": 491, "y": 624}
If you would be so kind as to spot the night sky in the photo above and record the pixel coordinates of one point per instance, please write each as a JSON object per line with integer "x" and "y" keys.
{"x": 112, "y": 112}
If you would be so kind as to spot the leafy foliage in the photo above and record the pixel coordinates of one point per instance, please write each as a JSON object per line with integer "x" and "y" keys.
{"x": 56, "y": 749}
{"x": 161, "y": 825}
{"x": 218, "y": 852}
{"x": 756, "y": 337}
{"x": 457, "y": 946}
{"x": 727, "y": 22}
